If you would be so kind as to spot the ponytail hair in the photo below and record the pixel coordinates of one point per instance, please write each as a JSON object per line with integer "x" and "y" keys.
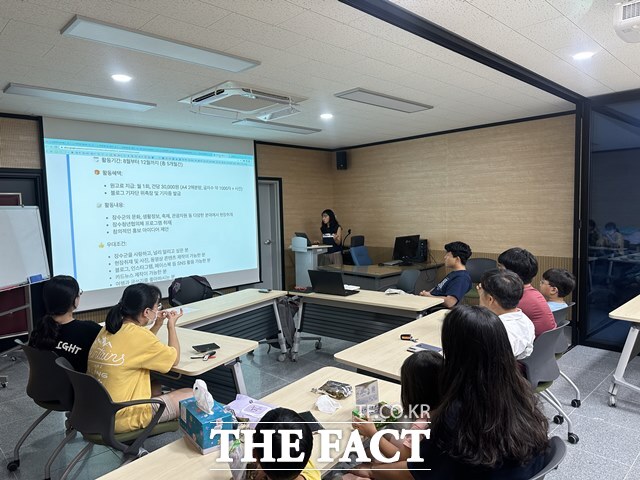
{"x": 59, "y": 296}
{"x": 135, "y": 300}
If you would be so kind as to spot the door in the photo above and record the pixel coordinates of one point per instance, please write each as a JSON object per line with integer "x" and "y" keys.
{"x": 270, "y": 218}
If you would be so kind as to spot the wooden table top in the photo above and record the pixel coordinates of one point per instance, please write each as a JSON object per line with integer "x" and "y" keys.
{"x": 629, "y": 311}
{"x": 407, "y": 302}
{"x": 179, "y": 460}
{"x": 225, "y": 304}
{"x": 230, "y": 348}
{"x": 385, "y": 354}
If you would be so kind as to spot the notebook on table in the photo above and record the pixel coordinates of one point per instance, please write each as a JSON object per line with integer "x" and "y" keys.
{"x": 330, "y": 283}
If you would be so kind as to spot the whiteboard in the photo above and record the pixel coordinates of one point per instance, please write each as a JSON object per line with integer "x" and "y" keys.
{"x": 24, "y": 256}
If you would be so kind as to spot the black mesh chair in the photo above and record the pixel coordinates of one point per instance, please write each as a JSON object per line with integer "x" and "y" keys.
{"x": 553, "y": 458}
{"x": 541, "y": 369}
{"x": 48, "y": 386}
{"x": 476, "y": 268}
{"x": 407, "y": 281}
{"x": 357, "y": 241}
{"x": 94, "y": 414}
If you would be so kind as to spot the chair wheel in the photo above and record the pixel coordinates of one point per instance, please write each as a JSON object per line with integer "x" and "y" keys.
{"x": 559, "y": 419}
{"x": 13, "y": 465}
{"x": 281, "y": 357}
{"x": 612, "y": 401}
{"x": 573, "y": 438}
{"x": 318, "y": 345}
{"x": 294, "y": 357}
{"x": 575, "y": 403}
{"x": 4, "y": 384}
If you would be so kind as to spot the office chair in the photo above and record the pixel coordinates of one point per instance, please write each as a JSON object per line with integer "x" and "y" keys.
{"x": 360, "y": 256}
{"x": 94, "y": 413}
{"x": 357, "y": 241}
{"x": 553, "y": 457}
{"x": 541, "y": 369}
{"x": 562, "y": 321}
{"x": 49, "y": 387}
{"x": 191, "y": 289}
{"x": 476, "y": 268}
{"x": 407, "y": 281}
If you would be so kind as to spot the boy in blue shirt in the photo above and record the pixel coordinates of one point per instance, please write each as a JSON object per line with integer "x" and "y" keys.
{"x": 556, "y": 284}
{"x": 454, "y": 286}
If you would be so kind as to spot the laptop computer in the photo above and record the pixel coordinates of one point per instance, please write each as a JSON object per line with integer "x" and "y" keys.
{"x": 330, "y": 283}
{"x": 303, "y": 235}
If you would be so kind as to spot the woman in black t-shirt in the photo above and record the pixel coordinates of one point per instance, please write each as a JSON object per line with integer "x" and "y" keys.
{"x": 489, "y": 425}
{"x": 58, "y": 330}
{"x": 332, "y": 236}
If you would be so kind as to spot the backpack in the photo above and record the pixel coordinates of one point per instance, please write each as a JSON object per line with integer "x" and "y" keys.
{"x": 185, "y": 290}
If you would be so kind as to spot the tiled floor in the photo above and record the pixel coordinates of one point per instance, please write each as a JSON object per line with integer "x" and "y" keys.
{"x": 609, "y": 446}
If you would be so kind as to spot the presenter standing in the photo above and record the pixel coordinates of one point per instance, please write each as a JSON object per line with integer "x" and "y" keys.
{"x": 332, "y": 236}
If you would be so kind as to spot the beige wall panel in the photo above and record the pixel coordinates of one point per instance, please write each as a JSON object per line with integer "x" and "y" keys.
{"x": 494, "y": 188}
{"x": 307, "y": 189}
{"x": 19, "y": 143}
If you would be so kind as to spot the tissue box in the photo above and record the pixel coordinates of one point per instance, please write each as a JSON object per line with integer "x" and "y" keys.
{"x": 200, "y": 427}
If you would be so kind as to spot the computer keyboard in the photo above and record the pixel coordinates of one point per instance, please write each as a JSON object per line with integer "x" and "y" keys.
{"x": 392, "y": 263}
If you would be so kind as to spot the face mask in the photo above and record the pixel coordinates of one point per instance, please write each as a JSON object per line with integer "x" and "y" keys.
{"x": 154, "y": 318}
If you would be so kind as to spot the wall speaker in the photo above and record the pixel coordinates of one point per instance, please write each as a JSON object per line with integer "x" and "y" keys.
{"x": 341, "y": 160}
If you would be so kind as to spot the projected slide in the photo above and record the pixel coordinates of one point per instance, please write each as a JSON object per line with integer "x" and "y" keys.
{"x": 122, "y": 214}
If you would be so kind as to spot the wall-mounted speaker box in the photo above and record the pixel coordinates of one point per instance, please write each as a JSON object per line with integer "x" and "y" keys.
{"x": 341, "y": 160}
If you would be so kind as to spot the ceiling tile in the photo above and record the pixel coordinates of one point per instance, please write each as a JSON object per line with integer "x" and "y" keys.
{"x": 193, "y": 12}
{"x": 559, "y": 33}
{"x": 324, "y": 29}
{"x": 325, "y": 53}
{"x": 104, "y": 11}
{"x": 256, "y": 31}
{"x": 271, "y": 11}
{"x": 185, "y": 32}
{"x": 331, "y": 9}
{"x": 517, "y": 14}
{"x": 33, "y": 14}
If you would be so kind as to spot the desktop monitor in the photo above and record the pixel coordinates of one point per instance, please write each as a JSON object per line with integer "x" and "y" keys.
{"x": 406, "y": 248}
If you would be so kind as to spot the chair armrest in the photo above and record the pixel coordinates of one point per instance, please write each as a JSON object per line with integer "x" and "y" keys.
{"x": 135, "y": 446}
{"x": 131, "y": 403}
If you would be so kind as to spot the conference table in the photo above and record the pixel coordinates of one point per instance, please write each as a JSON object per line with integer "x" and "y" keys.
{"x": 180, "y": 460}
{"x": 228, "y": 354}
{"x": 629, "y": 312}
{"x": 379, "y": 277}
{"x": 246, "y": 314}
{"x": 383, "y": 356}
{"x": 358, "y": 317}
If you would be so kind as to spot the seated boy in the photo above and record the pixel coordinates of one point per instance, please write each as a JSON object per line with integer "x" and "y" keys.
{"x": 533, "y": 304}
{"x": 454, "y": 286}
{"x": 500, "y": 291}
{"x": 280, "y": 419}
{"x": 556, "y": 284}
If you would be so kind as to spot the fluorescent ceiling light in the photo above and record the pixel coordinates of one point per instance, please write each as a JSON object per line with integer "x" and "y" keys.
{"x": 119, "y": 77}
{"x": 279, "y": 113}
{"x": 89, "y": 29}
{"x": 326, "y": 116}
{"x": 381, "y": 100}
{"x": 75, "y": 97}
{"x": 282, "y": 127}
{"x": 583, "y": 55}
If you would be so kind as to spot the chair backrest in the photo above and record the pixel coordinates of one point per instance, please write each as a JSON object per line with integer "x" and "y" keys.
{"x": 541, "y": 365}
{"x": 477, "y": 266}
{"x": 408, "y": 279}
{"x": 360, "y": 256}
{"x": 93, "y": 411}
{"x": 554, "y": 456}
{"x": 48, "y": 383}
{"x": 563, "y": 313}
{"x": 357, "y": 240}
{"x": 188, "y": 290}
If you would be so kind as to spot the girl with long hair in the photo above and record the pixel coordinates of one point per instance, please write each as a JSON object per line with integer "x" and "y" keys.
{"x": 488, "y": 425}
{"x": 125, "y": 352}
{"x": 58, "y": 330}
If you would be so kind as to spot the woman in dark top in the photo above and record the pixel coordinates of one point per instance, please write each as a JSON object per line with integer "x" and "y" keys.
{"x": 331, "y": 231}
{"x": 58, "y": 330}
{"x": 488, "y": 426}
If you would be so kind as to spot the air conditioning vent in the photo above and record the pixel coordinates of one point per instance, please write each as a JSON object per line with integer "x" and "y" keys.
{"x": 240, "y": 98}
{"x": 631, "y": 11}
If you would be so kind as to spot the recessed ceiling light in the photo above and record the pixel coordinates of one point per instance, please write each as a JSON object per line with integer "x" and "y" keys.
{"x": 583, "y": 55}
{"x": 326, "y": 116}
{"x": 118, "y": 77}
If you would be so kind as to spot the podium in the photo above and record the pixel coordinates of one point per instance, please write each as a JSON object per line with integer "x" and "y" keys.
{"x": 306, "y": 259}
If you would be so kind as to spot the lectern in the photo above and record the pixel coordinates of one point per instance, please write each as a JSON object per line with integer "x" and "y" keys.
{"x": 306, "y": 259}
